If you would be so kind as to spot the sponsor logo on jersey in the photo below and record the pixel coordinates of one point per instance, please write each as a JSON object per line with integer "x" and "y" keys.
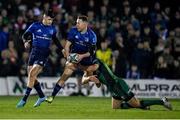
{"x": 41, "y": 62}
{"x": 51, "y": 31}
{"x": 39, "y": 30}
{"x": 76, "y": 36}
{"x": 86, "y": 39}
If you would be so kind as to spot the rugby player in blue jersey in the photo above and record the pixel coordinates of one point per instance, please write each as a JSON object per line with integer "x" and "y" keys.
{"x": 40, "y": 34}
{"x": 82, "y": 41}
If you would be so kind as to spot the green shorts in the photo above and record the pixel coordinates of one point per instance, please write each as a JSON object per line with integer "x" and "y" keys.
{"x": 124, "y": 97}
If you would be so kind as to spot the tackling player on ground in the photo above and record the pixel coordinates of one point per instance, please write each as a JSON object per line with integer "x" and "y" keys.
{"x": 122, "y": 96}
{"x": 41, "y": 35}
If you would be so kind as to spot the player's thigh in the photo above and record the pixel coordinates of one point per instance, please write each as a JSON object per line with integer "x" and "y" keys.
{"x": 134, "y": 102}
{"x": 116, "y": 104}
{"x": 71, "y": 66}
{"x": 90, "y": 68}
{"x": 66, "y": 74}
{"x": 29, "y": 68}
{"x": 35, "y": 70}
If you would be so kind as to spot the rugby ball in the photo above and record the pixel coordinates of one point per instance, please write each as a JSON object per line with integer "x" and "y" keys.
{"x": 73, "y": 57}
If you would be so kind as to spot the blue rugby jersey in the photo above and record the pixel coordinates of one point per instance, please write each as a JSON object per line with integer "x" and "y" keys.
{"x": 42, "y": 35}
{"x": 80, "y": 42}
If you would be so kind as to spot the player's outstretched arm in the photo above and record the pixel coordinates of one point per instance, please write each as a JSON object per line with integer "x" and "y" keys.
{"x": 92, "y": 78}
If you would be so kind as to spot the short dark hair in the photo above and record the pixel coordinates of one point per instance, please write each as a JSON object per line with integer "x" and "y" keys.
{"x": 50, "y": 13}
{"x": 83, "y": 18}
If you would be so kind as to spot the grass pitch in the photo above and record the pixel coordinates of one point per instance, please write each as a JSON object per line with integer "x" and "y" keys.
{"x": 81, "y": 108}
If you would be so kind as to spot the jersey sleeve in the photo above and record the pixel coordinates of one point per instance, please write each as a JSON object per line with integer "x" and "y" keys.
{"x": 27, "y": 35}
{"x": 54, "y": 31}
{"x": 92, "y": 44}
{"x": 93, "y": 38}
{"x": 55, "y": 39}
{"x": 31, "y": 28}
{"x": 71, "y": 35}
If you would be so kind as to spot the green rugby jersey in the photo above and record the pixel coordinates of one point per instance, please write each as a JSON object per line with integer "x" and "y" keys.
{"x": 117, "y": 86}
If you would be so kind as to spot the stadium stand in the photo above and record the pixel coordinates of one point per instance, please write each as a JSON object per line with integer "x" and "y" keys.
{"x": 137, "y": 32}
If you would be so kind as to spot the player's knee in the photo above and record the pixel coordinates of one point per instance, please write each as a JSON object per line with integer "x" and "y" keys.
{"x": 71, "y": 66}
{"x": 61, "y": 83}
{"x": 67, "y": 72}
{"x": 36, "y": 82}
{"x": 116, "y": 103}
{"x": 134, "y": 102}
{"x": 135, "y": 105}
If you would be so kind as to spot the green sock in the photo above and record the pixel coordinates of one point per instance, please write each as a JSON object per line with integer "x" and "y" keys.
{"x": 145, "y": 103}
{"x": 125, "y": 105}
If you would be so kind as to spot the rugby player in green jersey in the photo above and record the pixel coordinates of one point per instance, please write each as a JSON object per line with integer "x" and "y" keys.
{"x": 122, "y": 96}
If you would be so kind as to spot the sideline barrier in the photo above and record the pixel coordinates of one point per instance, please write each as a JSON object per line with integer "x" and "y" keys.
{"x": 3, "y": 86}
{"x": 142, "y": 88}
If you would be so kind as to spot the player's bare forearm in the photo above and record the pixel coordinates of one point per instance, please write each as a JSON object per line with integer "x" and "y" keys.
{"x": 86, "y": 55}
{"x": 92, "y": 78}
{"x": 88, "y": 76}
{"x": 63, "y": 52}
{"x": 66, "y": 52}
{"x": 67, "y": 49}
{"x": 81, "y": 56}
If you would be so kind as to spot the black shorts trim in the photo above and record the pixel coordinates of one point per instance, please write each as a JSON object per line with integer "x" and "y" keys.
{"x": 125, "y": 98}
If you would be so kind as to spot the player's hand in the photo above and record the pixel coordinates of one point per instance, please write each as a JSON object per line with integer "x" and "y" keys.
{"x": 27, "y": 45}
{"x": 94, "y": 78}
{"x": 80, "y": 57}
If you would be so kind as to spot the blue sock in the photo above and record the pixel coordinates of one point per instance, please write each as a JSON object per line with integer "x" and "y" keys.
{"x": 39, "y": 90}
{"x": 56, "y": 89}
{"x": 27, "y": 93}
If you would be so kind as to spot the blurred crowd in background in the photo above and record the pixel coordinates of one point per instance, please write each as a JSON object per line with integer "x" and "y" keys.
{"x": 138, "y": 39}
